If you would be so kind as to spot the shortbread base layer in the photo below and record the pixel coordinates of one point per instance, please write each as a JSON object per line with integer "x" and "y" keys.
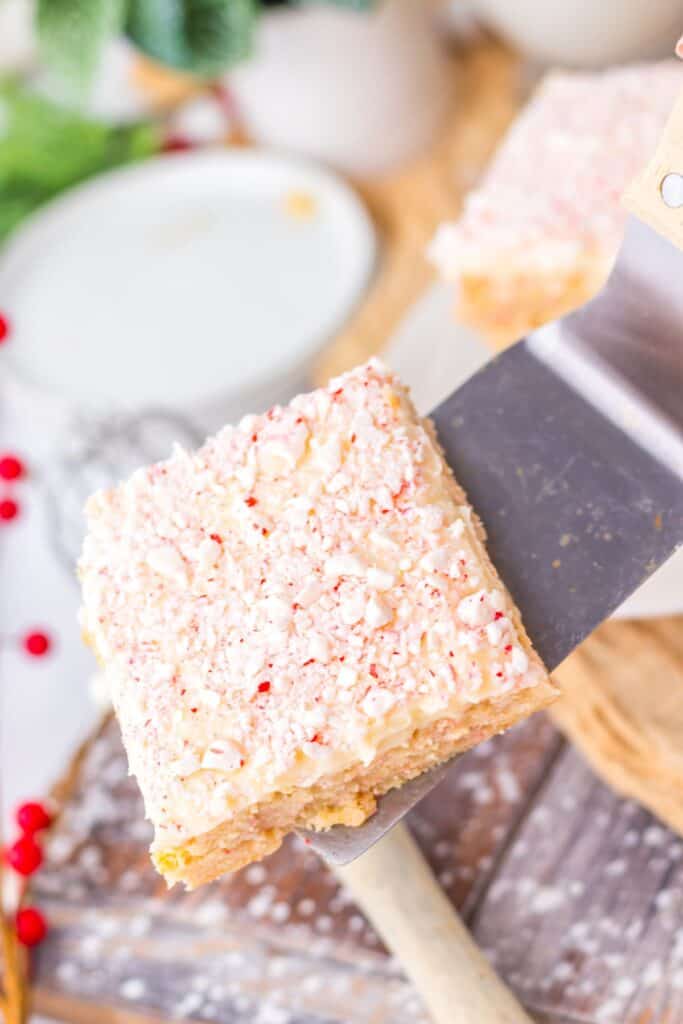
{"x": 504, "y": 306}
{"x": 347, "y": 798}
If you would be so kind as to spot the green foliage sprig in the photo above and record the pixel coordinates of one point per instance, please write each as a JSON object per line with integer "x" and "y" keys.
{"x": 199, "y": 36}
{"x": 46, "y": 148}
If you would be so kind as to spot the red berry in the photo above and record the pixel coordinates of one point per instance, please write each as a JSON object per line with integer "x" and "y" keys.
{"x": 11, "y": 468}
{"x": 5, "y": 328}
{"x": 32, "y": 817}
{"x": 176, "y": 144}
{"x": 8, "y": 509}
{"x": 31, "y": 926}
{"x": 37, "y": 644}
{"x": 25, "y": 856}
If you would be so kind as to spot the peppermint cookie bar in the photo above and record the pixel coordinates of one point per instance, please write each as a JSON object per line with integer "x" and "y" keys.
{"x": 538, "y": 237}
{"x": 296, "y": 618}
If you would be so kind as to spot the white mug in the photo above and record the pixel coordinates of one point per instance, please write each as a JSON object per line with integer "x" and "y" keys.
{"x": 362, "y": 91}
{"x": 586, "y": 33}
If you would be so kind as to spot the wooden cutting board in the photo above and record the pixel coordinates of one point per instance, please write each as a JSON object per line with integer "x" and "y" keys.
{"x": 575, "y": 893}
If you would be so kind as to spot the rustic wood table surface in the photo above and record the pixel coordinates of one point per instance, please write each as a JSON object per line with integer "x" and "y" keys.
{"x": 574, "y": 893}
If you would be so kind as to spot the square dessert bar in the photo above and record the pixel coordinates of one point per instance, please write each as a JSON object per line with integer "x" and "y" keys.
{"x": 296, "y": 618}
{"x": 538, "y": 237}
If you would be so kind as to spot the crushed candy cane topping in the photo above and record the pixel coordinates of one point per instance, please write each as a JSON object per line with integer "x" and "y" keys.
{"x": 282, "y": 602}
{"x": 551, "y": 195}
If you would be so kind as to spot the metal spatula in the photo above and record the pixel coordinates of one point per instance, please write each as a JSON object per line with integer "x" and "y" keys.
{"x": 570, "y": 447}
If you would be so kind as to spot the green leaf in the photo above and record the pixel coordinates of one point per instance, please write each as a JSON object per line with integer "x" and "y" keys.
{"x": 72, "y": 34}
{"x": 355, "y": 5}
{"x": 200, "y": 36}
{"x": 47, "y": 148}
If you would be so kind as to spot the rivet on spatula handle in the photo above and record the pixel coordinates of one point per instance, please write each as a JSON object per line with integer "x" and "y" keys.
{"x": 656, "y": 195}
{"x": 672, "y": 190}
{"x": 393, "y": 885}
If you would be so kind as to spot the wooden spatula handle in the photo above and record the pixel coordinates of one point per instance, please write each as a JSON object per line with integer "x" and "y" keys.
{"x": 395, "y": 888}
{"x": 662, "y": 180}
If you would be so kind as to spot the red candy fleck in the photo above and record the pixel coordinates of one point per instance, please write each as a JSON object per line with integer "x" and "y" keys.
{"x": 37, "y": 644}
{"x": 11, "y": 468}
{"x": 264, "y": 686}
{"x": 316, "y": 738}
{"x": 251, "y": 501}
{"x": 25, "y": 856}
{"x": 217, "y": 537}
{"x": 31, "y": 926}
{"x": 373, "y": 671}
{"x": 5, "y": 328}
{"x": 32, "y": 817}
{"x": 498, "y": 615}
{"x": 507, "y": 648}
{"x": 8, "y": 509}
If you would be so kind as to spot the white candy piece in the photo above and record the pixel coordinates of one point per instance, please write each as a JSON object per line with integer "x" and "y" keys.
{"x": 476, "y": 609}
{"x": 344, "y": 565}
{"x": 377, "y": 703}
{"x": 380, "y": 579}
{"x": 168, "y": 563}
{"x": 377, "y": 613}
{"x": 222, "y": 756}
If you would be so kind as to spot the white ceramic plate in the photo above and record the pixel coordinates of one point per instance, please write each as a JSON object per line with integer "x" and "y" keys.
{"x": 186, "y": 281}
{"x": 433, "y": 354}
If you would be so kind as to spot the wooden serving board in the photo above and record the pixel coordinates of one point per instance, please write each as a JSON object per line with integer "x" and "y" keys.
{"x": 575, "y": 893}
